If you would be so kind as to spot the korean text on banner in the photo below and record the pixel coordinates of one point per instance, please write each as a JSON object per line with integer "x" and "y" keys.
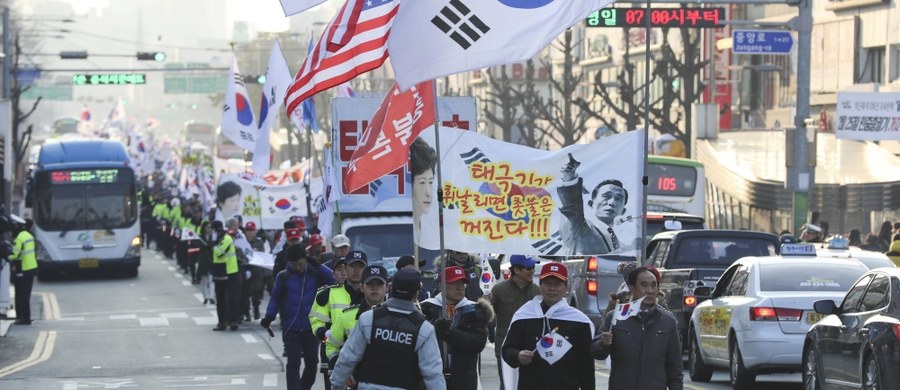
{"x": 238, "y": 120}
{"x": 354, "y": 42}
{"x": 500, "y": 197}
{"x": 430, "y": 39}
{"x": 384, "y": 145}
{"x": 868, "y": 116}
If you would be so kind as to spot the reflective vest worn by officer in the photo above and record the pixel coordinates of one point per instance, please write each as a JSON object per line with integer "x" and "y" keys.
{"x": 23, "y": 251}
{"x": 341, "y": 327}
{"x": 392, "y": 350}
{"x": 330, "y": 302}
{"x": 224, "y": 253}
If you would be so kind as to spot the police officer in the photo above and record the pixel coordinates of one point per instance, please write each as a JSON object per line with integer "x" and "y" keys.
{"x": 389, "y": 340}
{"x": 374, "y": 289}
{"x": 23, "y": 267}
{"x": 226, "y": 278}
{"x": 331, "y": 300}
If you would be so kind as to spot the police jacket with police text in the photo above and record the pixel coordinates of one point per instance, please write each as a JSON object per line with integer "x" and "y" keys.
{"x": 293, "y": 295}
{"x": 465, "y": 337}
{"x": 645, "y": 353}
{"x": 426, "y": 352}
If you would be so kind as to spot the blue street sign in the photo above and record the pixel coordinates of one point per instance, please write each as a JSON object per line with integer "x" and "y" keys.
{"x": 761, "y": 42}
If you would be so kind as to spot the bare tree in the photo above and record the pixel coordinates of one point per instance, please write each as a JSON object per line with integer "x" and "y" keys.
{"x": 21, "y": 138}
{"x": 565, "y": 112}
{"x": 502, "y": 96}
{"x": 529, "y": 99}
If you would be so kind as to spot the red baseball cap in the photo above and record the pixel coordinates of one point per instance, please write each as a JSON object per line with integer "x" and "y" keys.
{"x": 315, "y": 239}
{"x": 250, "y": 226}
{"x": 299, "y": 222}
{"x": 292, "y": 234}
{"x": 453, "y": 274}
{"x": 555, "y": 270}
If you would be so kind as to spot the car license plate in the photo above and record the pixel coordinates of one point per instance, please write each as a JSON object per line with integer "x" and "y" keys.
{"x": 88, "y": 263}
{"x": 812, "y": 318}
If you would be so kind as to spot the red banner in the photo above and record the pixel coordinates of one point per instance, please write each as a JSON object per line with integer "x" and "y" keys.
{"x": 384, "y": 146}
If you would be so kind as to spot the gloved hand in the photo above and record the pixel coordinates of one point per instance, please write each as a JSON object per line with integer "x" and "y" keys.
{"x": 266, "y": 321}
{"x": 442, "y": 326}
{"x": 320, "y": 333}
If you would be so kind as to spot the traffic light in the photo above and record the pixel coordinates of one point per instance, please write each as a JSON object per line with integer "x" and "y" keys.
{"x": 255, "y": 79}
{"x": 157, "y": 56}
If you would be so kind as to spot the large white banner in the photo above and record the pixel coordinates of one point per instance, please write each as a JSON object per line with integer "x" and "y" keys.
{"x": 868, "y": 116}
{"x": 505, "y": 198}
{"x": 267, "y": 206}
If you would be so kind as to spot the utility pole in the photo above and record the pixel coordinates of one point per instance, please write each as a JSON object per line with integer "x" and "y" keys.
{"x": 8, "y": 144}
{"x": 801, "y": 160}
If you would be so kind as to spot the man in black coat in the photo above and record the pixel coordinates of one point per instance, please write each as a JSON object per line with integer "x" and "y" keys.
{"x": 462, "y": 325}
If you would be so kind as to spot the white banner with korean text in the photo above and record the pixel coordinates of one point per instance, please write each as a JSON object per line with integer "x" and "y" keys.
{"x": 500, "y": 197}
{"x": 868, "y": 116}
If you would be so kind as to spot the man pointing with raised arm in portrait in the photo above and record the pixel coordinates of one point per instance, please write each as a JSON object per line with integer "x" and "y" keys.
{"x": 608, "y": 199}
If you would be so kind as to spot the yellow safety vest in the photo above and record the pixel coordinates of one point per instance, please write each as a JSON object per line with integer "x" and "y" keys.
{"x": 224, "y": 253}
{"x": 23, "y": 250}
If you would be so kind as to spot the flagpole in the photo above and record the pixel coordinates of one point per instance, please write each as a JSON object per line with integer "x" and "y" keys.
{"x": 440, "y": 199}
{"x": 645, "y": 144}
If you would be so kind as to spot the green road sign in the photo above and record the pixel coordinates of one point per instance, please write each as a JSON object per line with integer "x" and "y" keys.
{"x": 48, "y": 92}
{"x": 207, "y": 84}
{"x": 109, "y": 79}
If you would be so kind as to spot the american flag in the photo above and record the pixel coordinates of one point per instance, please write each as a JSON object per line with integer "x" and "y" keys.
{"x": 354, "y": 42}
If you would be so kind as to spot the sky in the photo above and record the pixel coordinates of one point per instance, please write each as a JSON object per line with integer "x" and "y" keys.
{"x": 266, "y": 15}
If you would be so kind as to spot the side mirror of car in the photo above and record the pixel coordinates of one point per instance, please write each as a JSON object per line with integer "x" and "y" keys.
{"x": 825, "y": 306}
{"x": 703, "y": 292}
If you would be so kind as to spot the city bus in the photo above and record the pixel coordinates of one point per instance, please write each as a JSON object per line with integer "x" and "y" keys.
{"x": 676, "y": 185}
{"x": 83, "y": 199}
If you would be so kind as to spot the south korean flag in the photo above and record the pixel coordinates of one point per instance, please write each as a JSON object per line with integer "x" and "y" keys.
{"x": 553, "y": 347}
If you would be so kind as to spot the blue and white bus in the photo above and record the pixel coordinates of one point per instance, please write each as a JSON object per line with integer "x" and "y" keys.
{"x": 676, "y": 185}
{"x": 83, "y": 199}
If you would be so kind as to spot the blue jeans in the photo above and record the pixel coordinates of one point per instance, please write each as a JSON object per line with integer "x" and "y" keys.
{"x": 301, "y": 345}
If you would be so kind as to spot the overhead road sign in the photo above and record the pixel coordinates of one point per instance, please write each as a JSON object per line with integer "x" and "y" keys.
{"x": 659, "y": 17}
{"x": 761, "y": 42}
{"x": 109, "y": 79}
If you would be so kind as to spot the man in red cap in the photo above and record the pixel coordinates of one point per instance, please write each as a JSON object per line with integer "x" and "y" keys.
{"x": 462, "y": 325}
{"x": 314, "y": 249}
{"x": 561, "y": 358}
{"x": 292, "y": 237}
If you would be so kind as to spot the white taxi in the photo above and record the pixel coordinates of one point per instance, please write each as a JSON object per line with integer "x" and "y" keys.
{"x": 756, "y": 319}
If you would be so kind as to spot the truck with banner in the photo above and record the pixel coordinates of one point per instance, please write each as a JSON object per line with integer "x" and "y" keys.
{"x": 377, "y": 217}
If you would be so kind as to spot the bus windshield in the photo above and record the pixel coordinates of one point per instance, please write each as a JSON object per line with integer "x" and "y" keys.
{"x": 85, "y": 206}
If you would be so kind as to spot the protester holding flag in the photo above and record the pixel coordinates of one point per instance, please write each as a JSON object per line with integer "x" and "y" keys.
{"x": 509, "y": 295}
{"x": 561, "y": 358}
{"x": 461, "y": 326}
{"x": 642, "y": 338}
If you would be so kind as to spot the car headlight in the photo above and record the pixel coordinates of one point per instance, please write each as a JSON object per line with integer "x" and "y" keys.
{"x": 134, "y": 249}
{"x": 40, "y": 253}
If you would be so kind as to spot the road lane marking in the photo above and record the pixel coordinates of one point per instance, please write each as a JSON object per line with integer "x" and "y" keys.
{"x": 206, "y": 320}
{"x": 248, "y": 338}
{"x": 171, "y": 268}
{"x": 186, "y": 283}
{"x": 199, "y": 297}
{"x": 270, "y": 380}
{"x": 123, "y": 317}
{"x": 72, "y": 319}
{"x": 154, "y": 322}
{"x": 180, "y": 314}
{"x": 43, "y": 348}
{"x": 50, "y": 305}
{"x": 265, "y": 356}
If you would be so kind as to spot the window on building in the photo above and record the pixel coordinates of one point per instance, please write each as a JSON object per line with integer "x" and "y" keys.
{"x": 873, "y": 67}
{"x": 895, "y": 62}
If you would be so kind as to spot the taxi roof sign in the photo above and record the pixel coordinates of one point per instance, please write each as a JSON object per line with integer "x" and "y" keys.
{"x": 798, "y": 250}
{"x": 839, "y": 242}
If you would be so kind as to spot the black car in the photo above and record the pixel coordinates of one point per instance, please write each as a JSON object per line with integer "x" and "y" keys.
{"x": 857, "y": 344}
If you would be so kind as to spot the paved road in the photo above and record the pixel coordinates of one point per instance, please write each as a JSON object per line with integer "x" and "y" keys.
{"x": 153, "y": 332}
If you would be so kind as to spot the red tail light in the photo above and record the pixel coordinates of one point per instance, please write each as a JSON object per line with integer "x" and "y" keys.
{"x": 592, "y": 264}
{"x": 690, "y": 300}
{"x": 775, "y": 314}
{"x": 591, "y": 287}
{"x": 897, "y": 331}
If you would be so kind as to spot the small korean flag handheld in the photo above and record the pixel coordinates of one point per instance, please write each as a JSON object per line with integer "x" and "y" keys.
{"x": 627, "y": 310}
{"x": 487, "y": 276}
{"x": 188, "y": 234}
{"x": 552, "y": 347}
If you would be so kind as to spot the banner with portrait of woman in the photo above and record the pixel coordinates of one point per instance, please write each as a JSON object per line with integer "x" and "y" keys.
{"x": 500, "y": 197}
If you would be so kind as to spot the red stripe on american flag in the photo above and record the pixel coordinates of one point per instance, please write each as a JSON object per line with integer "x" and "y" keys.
{"x": 322, "y": 60}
